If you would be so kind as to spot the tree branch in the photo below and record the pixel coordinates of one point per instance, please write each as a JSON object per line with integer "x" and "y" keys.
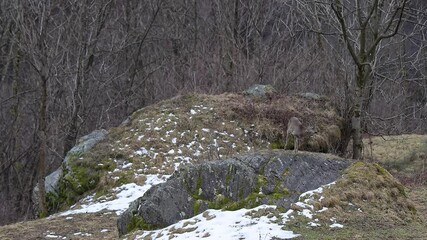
{"x": 345, "y": 34}
{"x": 396, "y": 29}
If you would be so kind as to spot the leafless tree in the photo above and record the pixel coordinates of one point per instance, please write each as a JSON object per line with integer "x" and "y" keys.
{"x": 363, "y": 27}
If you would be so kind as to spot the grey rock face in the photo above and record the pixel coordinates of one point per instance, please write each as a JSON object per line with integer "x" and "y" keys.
{"x": 259, "y": 90}
{"x": 266, "y": 175}
{"x": 298, "y": 173}
{"x": 312, "y": 96}
{"x": 85, "y": 144}
{"x": 51, "y": 181}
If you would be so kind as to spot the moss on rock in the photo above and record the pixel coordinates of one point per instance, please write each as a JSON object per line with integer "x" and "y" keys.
{"x": 138, "y": 222}
{"x": 81, "y": 173}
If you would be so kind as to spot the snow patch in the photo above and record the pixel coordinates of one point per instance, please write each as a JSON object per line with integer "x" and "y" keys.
{"x": 142, "y": 151}
{"x": 125, "y": 195}
{"x": 336, "y": 225}
{"x": 127, "y": 165}
{"x": 219, "y": 224}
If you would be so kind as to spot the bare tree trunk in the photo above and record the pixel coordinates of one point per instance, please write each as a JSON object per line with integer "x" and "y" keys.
{"x": 362, "y": 44}
{"x": 41, "y": 65}
{"x": 41, "y": 166}
{"x": 356, "y": 124}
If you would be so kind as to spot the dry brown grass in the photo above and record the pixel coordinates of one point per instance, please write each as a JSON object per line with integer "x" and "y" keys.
{"x": 330, "y": 201}
{"x": 374, "y": 190}
{"x": 61, "y": 226}
{"x": 393, "y": 148}
{"x": 296, "y": 207}
{"x": 405, "y": 156}
{"x": 270, "y": 119}
{"x": 418, "y": 195}
{"x": 371, "y": 204}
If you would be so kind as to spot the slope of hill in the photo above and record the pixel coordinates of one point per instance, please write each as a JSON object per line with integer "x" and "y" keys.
{"x": 405, "y": 156}
{"x": 187, "y": 130}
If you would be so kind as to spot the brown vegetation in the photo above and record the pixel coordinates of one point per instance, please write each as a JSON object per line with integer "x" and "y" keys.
{"x": 81, "y": 226}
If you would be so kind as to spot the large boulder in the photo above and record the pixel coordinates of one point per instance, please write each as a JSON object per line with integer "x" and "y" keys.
{"x": 270, "y": 177}
{"x": 85, "y": 143}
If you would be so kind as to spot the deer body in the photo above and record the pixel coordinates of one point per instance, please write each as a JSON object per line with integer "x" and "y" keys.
{"x": 294, "y": 128}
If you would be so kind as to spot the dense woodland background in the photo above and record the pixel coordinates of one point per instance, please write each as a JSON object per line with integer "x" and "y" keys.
{"x": 68, "y": 67}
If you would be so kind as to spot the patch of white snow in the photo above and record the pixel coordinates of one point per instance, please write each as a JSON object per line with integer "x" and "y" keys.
{"x": 127, "y": 165}
{"x": 218, "y": 224}
{"x": 336, "y": 225}
{"x": 125, "y": 195}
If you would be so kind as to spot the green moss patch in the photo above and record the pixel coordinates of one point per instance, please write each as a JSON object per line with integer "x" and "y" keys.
{"x": 252, "y": 200}
{"x": 138, "y": 222}
{"x": 82, "y": 175}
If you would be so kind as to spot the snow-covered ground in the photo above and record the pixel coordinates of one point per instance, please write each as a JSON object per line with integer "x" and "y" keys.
{"x": 218, "y": 224}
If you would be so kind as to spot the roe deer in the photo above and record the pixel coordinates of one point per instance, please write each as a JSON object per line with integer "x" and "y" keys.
{"x": 294, "y": 128}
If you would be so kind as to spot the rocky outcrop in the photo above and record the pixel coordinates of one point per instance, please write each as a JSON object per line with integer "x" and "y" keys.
{"x": 271, "y": 177}
{"x": 260, "y": 91}
{"x": 312, "y": 96}
{"x": 85, "y": 144}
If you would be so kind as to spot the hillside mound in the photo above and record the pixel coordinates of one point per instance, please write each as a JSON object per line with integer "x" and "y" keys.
{"x": 191, "y": 129}
{"x": 187, "y": 134}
